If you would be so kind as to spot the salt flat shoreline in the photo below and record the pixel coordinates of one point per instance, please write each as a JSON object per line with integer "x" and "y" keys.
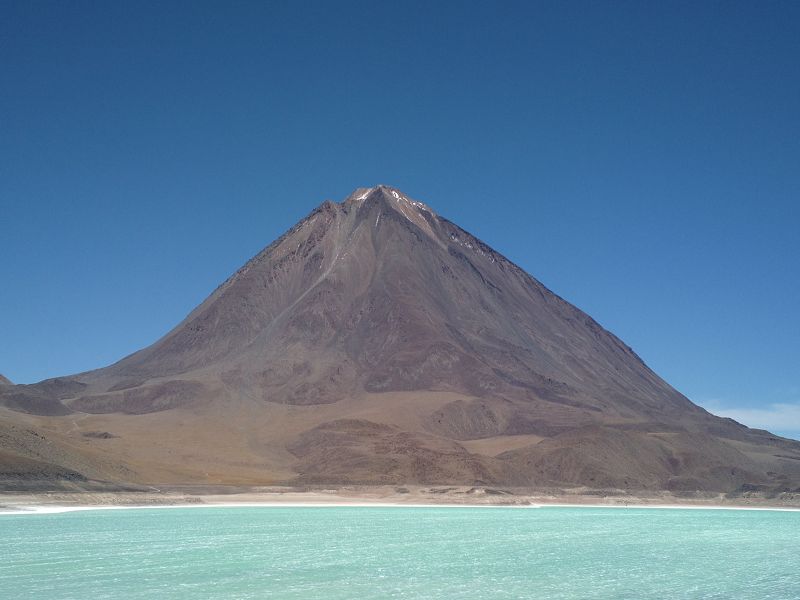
{"x": 56, "y": 509}
{"x": 436, "y": 497}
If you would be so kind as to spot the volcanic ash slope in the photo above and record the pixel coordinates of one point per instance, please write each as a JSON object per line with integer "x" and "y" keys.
{"x": 377, "y": 342}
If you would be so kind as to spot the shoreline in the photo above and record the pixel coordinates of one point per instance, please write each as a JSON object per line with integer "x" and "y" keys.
{"x": 60, "y": 509}
{"x": 20, "y": 503}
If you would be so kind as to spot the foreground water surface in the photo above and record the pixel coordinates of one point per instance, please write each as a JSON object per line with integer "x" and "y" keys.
{"x": 388, "y": 552}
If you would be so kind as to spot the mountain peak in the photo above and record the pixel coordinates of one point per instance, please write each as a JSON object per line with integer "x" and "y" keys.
{"x": 393, "y": 194}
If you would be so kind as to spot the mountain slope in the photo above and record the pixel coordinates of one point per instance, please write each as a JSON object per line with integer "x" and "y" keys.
{"x": 378, "y": 342}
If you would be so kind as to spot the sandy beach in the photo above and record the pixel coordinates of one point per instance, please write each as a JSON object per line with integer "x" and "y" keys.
{"x": 388, "y": 496}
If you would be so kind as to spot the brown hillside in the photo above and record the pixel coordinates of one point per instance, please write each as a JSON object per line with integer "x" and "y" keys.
{"x": 377, "y": 342}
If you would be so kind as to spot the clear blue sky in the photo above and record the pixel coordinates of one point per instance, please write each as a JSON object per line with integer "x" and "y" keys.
{"x": 641, "y": 159}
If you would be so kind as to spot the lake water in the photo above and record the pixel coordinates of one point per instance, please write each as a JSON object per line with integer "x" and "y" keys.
{"x": 388, "y": 552}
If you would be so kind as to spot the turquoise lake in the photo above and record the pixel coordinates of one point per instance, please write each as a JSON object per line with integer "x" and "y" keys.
{"x": 388, "y": 552}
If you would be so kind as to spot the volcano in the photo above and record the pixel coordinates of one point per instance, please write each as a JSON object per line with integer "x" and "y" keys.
{"x": 376, "y": 342}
